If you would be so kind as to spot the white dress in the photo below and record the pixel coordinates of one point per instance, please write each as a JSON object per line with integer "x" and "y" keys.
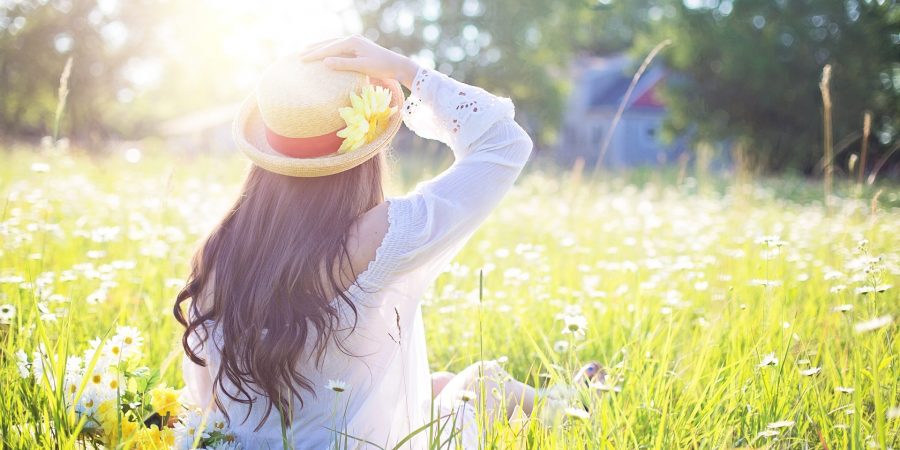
{"x": 389, "y": 384}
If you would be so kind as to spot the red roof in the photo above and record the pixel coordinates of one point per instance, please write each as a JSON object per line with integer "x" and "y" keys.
{"x": 650, "y": 99}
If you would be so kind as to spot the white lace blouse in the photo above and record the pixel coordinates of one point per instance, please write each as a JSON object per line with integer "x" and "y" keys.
{"x": 388, "y": 394}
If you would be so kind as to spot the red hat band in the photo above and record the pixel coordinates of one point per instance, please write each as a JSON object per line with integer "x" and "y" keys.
{"x": 305, "y": 147}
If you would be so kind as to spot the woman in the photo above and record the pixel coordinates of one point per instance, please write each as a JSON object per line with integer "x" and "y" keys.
{"x": 304, "y": 324}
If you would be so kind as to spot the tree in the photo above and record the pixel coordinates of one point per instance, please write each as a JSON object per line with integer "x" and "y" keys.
{"x": 750, "y": 70}
{"x": 102, "y": 38}
{"x": 515, "y": 48}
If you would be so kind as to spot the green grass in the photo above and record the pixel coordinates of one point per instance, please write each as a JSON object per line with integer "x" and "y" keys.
{"x": 683, "y": 294}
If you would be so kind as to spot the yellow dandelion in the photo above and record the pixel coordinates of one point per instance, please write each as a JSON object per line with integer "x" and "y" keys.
{"x": 164, "y": 400}
{"x": 366, "y": 117}
{"x": 107, "y": 414}
{"x": 114, "y": 429}
{"x": 153, "y": 438}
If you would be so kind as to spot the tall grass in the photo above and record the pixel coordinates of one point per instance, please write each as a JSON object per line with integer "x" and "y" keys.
{"x": 62, "y": 96}
{"x": 864, "y": 152}
{"x": 827, "y": 141}
{"x": 722, "y": 324}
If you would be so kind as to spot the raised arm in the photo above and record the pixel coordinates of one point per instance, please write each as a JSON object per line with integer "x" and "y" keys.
{"x": 425, "y": 228}
{"x": 490, "y": 150}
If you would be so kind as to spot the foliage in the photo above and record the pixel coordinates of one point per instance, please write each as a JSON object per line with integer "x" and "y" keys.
{"x": 102, "y": 38}
{"x": 107, "y": 399}
{"x": 744, "y": 71}
{"x": 726, "y": 315}
{"x": 515, "y": 48}
{"x": 136, "y": 63}
{"x": 749, "y": 71}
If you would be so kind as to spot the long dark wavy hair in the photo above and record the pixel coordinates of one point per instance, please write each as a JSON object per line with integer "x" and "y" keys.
{"x": 275, "y": 263}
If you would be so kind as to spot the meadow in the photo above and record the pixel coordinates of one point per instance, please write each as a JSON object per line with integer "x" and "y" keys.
{"x": 728, "y": 312}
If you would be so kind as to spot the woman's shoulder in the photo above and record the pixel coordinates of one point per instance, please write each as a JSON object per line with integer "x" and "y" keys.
{"x": 378, "y": 242}
{"x": 365, "y": 237}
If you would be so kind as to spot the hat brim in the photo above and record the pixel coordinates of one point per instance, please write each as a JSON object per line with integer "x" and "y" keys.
{"x": 249, "y": 134}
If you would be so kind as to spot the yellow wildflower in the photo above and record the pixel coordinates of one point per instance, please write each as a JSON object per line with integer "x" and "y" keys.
{"x": 366, "y": 118}
{"x": 164, "y": 400}
{"x": 108, "y": 415}
{"x": 153, "y": 438}
{"x": 114, "y": 430}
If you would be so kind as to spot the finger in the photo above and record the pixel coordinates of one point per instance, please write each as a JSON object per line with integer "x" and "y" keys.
{"x": 339, "y": 47}
{"x": 353, "y": 64}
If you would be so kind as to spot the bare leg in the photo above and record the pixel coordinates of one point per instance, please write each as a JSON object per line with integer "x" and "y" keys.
{"x": 501, "y": 390}
{"x": 497, "y": 383}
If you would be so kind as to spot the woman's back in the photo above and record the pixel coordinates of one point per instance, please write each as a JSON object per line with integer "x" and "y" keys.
{"x": 378, "y": 352}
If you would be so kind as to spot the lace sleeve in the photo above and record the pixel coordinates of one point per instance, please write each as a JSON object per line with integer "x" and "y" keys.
{"x": 451, "y": 112}
{"x": 429, "y": 225}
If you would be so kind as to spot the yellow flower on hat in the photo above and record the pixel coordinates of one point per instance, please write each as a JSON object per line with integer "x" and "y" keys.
{"x": 366, "y": 117}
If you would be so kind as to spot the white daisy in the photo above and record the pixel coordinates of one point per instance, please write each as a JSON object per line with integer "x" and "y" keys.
{"x": 91, "y": 399}
{"x": 577, "y": 413}
{"x": 769, "y": 360}
{"x": 7, "y": 314}
{"x": 603, "y": 387}
{"x": 74, "y": 364}
{"x": 113, "y": 382}
{"x": 811, "y": 371}
{"x": 98, "y": 296}
{"x": 873, "y": 324}
{"x": 764, "y": 282}
{"x": 103, "y": 359}
{"x": 38, "y": 359}
{"x": 575, "y": 325}
{"x": 130, "y": 340}
{"x": 70, "y": 386}
{"x": 187, "y": 429}
{"x": 560, "y": 346}
{"x": 465, "y": 396}
{"x": 23, "y": 365}
{"x": 832, "y": 275}
{"x": 225, "y": 445}
{"x": 216, "y": 422}
{"x": 893, "y": 413}
{"x": 873, "y": 289}
{"x": 780, "y": 424}
{"x": 336, "y": 386}
{"x": 770, "y": 240}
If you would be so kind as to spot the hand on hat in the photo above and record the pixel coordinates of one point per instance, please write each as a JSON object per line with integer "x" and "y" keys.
{"x": 359, "y": 54}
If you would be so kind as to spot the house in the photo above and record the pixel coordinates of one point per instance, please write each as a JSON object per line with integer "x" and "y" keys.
{"x": 600, "y": 84}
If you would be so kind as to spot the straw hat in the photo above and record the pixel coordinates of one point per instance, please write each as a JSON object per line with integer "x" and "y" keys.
{"x": 289, "y": 124}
